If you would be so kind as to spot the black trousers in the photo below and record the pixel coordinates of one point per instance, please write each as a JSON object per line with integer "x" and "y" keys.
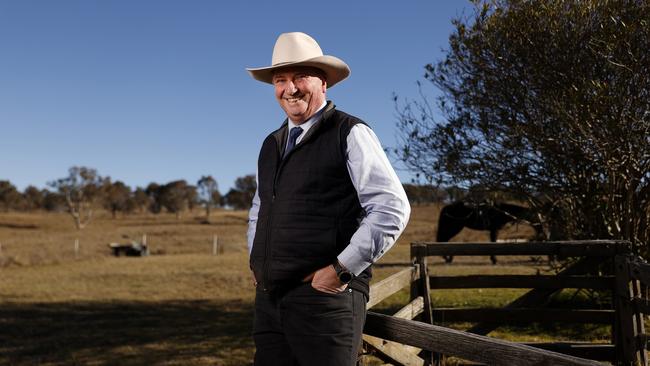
{"x": 306, "y": 327}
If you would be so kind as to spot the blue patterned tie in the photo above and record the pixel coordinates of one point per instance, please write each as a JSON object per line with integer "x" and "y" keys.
{"x": 293, "y": 136}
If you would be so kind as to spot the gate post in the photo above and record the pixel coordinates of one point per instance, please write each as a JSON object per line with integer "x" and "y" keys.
{"x": 422, "y": 288}
{"x": 625, "y": 340}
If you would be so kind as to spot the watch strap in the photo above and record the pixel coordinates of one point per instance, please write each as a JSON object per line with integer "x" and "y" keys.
{"x": 344, "y": 275}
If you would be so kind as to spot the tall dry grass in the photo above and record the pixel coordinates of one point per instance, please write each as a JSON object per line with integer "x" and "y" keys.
{"x": 179, "y": 306}
{"x": 46, "y": 238}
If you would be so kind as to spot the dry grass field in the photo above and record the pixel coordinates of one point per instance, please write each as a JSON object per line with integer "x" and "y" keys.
{"x": 181, "y": 305}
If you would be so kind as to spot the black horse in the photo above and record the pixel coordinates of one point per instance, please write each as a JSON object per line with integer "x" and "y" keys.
{"x": 481, "y": 216}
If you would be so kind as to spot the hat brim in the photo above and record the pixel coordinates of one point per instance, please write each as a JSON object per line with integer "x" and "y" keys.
{"x": 334, "y": 68}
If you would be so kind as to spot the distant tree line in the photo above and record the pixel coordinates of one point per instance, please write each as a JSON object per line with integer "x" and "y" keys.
{"x": 424, "y": 194}
{"x": 83, "y": 190}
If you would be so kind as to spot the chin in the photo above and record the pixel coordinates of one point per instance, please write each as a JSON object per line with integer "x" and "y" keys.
{"x": 297, "y": 114}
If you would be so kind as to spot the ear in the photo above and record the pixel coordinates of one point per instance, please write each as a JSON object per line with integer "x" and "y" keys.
{"x": 324, "y": 84}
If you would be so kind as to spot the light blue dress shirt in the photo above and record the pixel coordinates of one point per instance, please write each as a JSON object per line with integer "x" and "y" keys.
{"x": 380, "y": 193}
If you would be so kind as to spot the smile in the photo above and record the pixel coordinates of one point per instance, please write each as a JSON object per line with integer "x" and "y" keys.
{"x": 293, "y": 100}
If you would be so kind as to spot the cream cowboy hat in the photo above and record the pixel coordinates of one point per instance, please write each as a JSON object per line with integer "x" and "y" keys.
{"x": 299, "y": 49}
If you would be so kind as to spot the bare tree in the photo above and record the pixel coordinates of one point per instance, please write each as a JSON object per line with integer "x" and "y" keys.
{"x": 547, "y": 100}
{"x": 81, "y": 189}
{"x": 208, "y": 193}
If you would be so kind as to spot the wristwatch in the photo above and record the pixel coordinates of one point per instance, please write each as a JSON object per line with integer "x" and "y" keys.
{"x": 343, "y": 274}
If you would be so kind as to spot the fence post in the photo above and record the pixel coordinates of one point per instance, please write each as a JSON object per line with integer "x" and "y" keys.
{"x": 625, "y": 340}
{"x": 423, "y": 288}
{"x": 76, "y": 248}
{"x": 415, "y": 289}
{"x": 639, "y": 328}
{"x": 145, "y": 247}
{"x": 215, "y": 244}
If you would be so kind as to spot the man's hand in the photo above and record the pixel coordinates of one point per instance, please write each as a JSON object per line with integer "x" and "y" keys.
{"x": 326, "y": 280}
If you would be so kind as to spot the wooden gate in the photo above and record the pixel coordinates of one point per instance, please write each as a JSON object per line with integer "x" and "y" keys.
{"x": 387, "y": 335}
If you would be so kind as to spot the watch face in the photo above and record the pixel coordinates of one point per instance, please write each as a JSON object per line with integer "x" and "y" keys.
{"x": 345, "y": 277}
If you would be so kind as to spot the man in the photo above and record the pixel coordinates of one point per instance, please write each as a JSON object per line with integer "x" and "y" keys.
{"x": 328, "y": 204}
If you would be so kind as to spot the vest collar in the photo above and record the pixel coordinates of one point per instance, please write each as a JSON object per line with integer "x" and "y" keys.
{"x": 280, "y": 134}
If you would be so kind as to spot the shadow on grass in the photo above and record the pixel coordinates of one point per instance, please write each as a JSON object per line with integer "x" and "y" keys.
{"x": 126, "y": 333}
{"x": 226, "y": 220}
{"x": 18, "y": 226}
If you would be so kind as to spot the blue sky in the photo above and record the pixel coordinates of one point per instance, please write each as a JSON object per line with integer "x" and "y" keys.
{"x": 153, "y": 91}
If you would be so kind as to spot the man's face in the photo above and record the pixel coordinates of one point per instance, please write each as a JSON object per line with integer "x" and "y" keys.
{"x": 300, "y": 91}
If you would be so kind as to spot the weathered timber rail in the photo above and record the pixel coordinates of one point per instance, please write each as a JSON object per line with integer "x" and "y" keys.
{"x": 400, "y": 340}
{"x": 468, "y": 346}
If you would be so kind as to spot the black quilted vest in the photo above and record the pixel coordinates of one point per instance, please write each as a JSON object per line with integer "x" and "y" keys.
{"x": 309, "y": 208}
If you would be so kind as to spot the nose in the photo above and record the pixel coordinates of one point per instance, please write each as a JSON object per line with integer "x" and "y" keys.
{"x": 290, "y": 88}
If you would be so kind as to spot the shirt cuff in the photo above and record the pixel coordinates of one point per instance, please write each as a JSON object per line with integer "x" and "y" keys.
{"x": 354, "y": 261}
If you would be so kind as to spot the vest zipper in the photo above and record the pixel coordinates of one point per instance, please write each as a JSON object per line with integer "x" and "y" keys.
{"x": 267, "y": 250}
{"x": 267, "y": 247}
{"x": 269, "y": 227}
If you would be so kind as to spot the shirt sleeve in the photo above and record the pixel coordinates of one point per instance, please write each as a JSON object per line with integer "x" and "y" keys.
{"x": 382, "y": 198}
{"x": 252, "y": 221}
